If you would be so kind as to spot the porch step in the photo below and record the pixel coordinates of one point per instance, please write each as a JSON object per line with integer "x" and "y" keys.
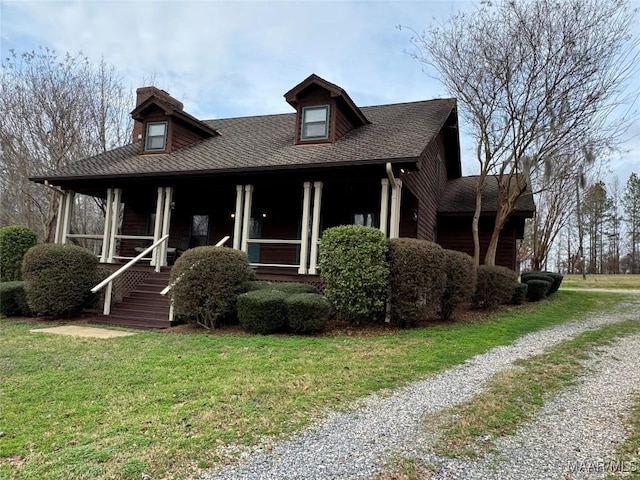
{"x": 143, "y": 308}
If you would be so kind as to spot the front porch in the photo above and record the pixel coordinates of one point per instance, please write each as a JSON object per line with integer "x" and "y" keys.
{"x": 277, "y": 220}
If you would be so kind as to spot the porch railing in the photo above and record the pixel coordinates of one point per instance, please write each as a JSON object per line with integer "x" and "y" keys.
{"x": 166, "y": 289}
{"x": 108, "y": 282}
{"x": 274, "y": 241}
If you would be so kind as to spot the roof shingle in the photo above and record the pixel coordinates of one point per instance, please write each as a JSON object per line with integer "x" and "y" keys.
{"x": 397, "y": 132}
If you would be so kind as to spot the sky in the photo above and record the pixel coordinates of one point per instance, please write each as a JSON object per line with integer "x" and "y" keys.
{"x": 237, "y": 58}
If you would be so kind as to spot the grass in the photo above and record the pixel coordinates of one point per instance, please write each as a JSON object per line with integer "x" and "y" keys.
{"x": 515, "y": 396}
{"x": 161, "y": 403}
{"x": 628, "y": 454}
{"x": 626, "y": 282}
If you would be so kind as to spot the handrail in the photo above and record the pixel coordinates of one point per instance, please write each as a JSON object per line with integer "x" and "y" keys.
{"x": 109, "y": 280}
{"x": 166, "y": 289}
{"x": 127, "y": 265}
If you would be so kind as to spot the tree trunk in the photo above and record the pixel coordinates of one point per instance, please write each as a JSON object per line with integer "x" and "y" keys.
{"x": 476, "y": 221}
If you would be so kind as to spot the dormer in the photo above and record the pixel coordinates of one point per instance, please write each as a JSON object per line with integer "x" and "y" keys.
{"x": 162, "y": 125}
{"x": 324, "y": 111}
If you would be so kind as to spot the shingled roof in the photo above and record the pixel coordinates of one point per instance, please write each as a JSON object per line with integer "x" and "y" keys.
{"x": 397, "y": 133}
{"x": 460, "y": 197}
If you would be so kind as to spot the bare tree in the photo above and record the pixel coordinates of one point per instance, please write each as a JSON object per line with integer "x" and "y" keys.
{"x": 535, "y": 79}
{"x": 54, "y": 110}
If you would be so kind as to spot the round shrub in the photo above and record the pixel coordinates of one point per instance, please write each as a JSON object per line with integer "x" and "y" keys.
{"x": 461, "y": 277}
{"x": 59, "y": 278}
{"x": 210, "y": 280}
{"x": 354, "y": 271}
{"x": 557, "y": 281}
{"x": 13, "y": 300}
{"x": 495, "y": 286}
{"x": 537, "y": 289}
{"x": 14, "y": 243}
{"x": 292, "y": 288}
{"x": 253, "y": 285}
{"x": 307, "y": 312}
{"x": 519, "y": 294}
{"x": 263, "y": 311}
{"x": 525, "y": 277}
{"x": 417, "y": 279}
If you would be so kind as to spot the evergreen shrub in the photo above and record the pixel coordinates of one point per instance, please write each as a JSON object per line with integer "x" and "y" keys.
{"x": 15, "y": 240}
{"x": 417, "y": 279}
{"x": 519, "y": 294}
{"x": 211, "y": 278}
{"x": 461, "y": 277}
{"x": 307, "y": 312}
{"x": 557, "y": 281}
{"x": 495, "y": 286}
{"x": 263, "y": 311}
{"x": 537, "y": 289}
{"x": 354, "y": 271}
{"x": 292, "y": 288}
{"x": 59, "y": 278}
{"x": 13, "y": 300}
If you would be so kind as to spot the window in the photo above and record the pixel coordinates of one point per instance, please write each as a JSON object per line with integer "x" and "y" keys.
{"x": 199, "y": 230}
{"x": 156, "y": 138}
{"x": 315, "y": 123}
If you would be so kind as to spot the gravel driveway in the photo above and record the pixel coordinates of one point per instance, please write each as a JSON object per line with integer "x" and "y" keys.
{"x": 575, "y": 431}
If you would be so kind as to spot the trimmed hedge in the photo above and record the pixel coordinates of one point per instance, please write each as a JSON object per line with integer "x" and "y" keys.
{"x": 211, "y": 278}
{"x": 557, "y": 281}
{"x": 519, "y": 294}
{"x": 461, "y": 277}
{"x": 537, "y": 289}
{"x": 495, "y": 286}
{"x": 13, "y": 300}
{"x": 59, "y": 278}
{"x": 354, "y": 271}
{"x": 263, "y": 311}
{"x": 554, "y": 278}
{"x": 253, "y": 285}
{"x": 15, "y": 241}
{"x": 307, "y": 312}
{"x": 417, "y": 279}
{"x": 292, "y": 288}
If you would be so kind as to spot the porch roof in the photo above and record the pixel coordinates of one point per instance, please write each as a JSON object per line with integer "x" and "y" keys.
{"x": 397, "y": 133}
{"x": 459, "y": 197}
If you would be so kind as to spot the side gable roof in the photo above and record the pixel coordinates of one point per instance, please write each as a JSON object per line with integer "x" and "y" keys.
{"x": 459, "y": 197}
{"x": 397, "y": 133}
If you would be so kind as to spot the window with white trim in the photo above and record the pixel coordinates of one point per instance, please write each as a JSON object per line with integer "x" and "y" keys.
{"x": 315, "y": 123}
{"x": 156, "y": 137}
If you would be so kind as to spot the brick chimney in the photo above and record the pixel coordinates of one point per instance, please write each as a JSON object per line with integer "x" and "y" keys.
{"x": 142, "y": 94}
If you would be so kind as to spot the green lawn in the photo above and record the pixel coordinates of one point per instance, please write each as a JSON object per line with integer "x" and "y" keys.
{"x": 630, "y": 282}
{"x": 73, "y": 408}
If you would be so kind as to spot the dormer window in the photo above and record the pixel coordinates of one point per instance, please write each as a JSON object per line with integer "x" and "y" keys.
{"x": 315, "y": 123}
{"x": 156, "y": 137}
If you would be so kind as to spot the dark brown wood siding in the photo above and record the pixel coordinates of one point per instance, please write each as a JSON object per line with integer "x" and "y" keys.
{"x": 342, "y": 124}
{"x": 454, "y": 233}
{"x": 182, "y": 136}
{"x": 427, "y": 185}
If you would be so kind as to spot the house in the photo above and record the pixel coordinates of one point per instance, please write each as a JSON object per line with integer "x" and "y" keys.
{"x": 274, "y": 183}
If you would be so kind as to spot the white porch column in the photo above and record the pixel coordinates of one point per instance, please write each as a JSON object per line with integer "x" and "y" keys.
{"x": 157, "y": 224}
{"x": 396, "y": 194}
{"x": 304, "y": 230}
{"x": 166, "y": 223}
{"x": 106, "y": 234}
{"x": 115, "y": 217}
{"x": 66, "y": 215}
{"x": 315, "y": 228}
{"x": 246, "y": 217}
{"x": 384, "y": 207}
{"x": 61, "y": 200}
{"x": 237, "y": 220}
